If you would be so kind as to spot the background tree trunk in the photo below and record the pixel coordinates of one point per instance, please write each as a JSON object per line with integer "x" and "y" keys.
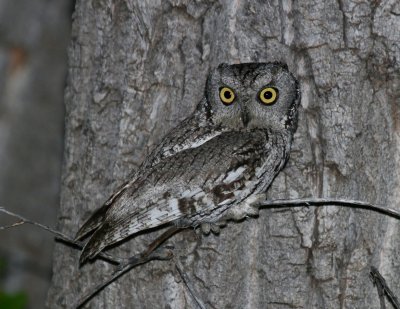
{"x": 138, "y": 67}
{"x": 33, "y": 42}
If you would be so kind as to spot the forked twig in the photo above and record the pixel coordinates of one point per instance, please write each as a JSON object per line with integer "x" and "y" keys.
{"x": 160, "y": 254}
{"x": 27, "y": 221}
{"x": 383, "y": 289}
{"x": 150, "y": 254}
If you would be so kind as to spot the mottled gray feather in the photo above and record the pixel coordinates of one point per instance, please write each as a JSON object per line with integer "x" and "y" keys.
{"x": 192, "y": 186}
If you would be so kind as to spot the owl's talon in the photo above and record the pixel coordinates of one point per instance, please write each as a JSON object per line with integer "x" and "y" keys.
{"x": 205, "y": 228}
{"x": 222, "y": 223}
{"x": 215, "y": 228}
{"x": 252, "y": 211}
{"x": 248, "y": 209}
{"x": 255, "y": 200}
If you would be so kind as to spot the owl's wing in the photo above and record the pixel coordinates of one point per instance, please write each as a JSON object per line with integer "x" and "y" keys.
{"x": 190, "y": 133}
{"x": 187, "y": 187}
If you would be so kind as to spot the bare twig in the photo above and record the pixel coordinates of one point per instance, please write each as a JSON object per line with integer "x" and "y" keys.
{"x": 27, "y": 221}
{"x": 11, "y": 225}
{"x": 318, "y": 202}
{"x": 59, "y": 236}
{"x": 381, "y": 292}
{"x": 159, "y": 254}
{"x": 383, "y": 289}
{"x": 189, "y": 287}
{"x": 153, "y": 252}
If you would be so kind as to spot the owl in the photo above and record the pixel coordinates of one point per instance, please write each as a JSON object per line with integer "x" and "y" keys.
{"x": 214, "y": 166}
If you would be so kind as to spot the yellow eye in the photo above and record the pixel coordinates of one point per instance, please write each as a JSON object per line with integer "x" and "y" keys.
{"x": 226, "y": 95}
{"x": 269, "y": 95}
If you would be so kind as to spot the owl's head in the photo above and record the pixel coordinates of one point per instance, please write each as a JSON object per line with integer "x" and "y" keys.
{"x": 252, "y": 96}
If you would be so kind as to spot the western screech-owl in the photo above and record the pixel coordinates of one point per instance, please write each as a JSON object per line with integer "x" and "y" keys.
{"x": 213, "y": 166}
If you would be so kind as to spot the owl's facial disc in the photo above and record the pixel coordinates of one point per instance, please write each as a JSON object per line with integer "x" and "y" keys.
{"x": 252, "y": 96}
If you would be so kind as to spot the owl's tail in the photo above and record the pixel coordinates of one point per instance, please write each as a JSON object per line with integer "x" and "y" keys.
{"x": 92, "y": 223}
{"x": 94, "y": 246}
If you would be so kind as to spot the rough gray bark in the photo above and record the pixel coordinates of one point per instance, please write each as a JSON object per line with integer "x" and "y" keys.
{"x": 138, "y": 67}
{"x": 33, "y": 41}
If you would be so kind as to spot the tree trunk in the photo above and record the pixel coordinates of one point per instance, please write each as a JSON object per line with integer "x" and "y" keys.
{"x": 33, "y": 41}
{"x": 138, "y": 67}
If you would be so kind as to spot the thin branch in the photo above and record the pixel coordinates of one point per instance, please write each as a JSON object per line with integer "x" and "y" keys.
{"x": 159, "y": 254}
{"x": 59, "y": 236}
{"x": 189, "y": 287}
{"x": 301, "y": 202}
{"x": 379, "y": 287}
{"x": 383, "y": 289}
{"x": 27, "y": 221}
{"x": 151, "y": 253}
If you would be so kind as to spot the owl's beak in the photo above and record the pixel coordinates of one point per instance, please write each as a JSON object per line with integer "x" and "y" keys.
{"x": 245, "y": 116}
